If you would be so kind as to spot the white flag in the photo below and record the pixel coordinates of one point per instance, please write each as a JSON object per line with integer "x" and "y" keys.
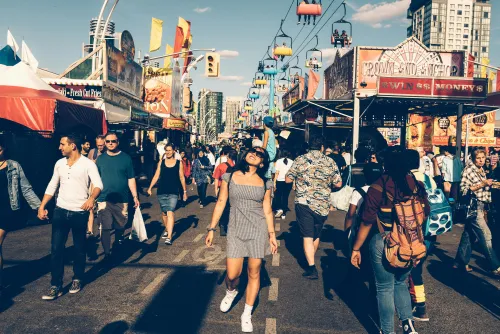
{"x": 28, "y": 57}
{"x": 12, "y": 42}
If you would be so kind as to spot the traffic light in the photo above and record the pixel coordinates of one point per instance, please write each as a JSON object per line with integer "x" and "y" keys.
{"x": 212, "y": 69}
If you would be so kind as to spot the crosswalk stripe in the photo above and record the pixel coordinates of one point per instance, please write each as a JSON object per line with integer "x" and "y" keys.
{"x": 198, "y": 237}
{"x": 276, "y": 260}
{"x": 273, "y": 289}
{"x": 155, "y": 283}
{"x": 270, "y": 326}
{"x": 181, "y": 256}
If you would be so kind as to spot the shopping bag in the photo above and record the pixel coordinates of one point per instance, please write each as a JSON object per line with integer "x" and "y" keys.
{"x": 138, "y": 227}
{"x": 340, "y": 199}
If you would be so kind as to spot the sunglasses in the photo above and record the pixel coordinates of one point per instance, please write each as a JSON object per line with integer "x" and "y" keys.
{"x": 257, "y": 153}
{"x": 114, "y": 141}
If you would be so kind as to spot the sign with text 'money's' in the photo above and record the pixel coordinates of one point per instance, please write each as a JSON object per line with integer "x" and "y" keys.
{"x": 448, "y": 88}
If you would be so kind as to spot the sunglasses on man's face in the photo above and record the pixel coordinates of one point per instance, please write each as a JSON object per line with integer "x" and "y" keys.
{"x": 114, "y": 141}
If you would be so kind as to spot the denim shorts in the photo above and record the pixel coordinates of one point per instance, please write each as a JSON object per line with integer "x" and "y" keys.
{"x": 168, "y": 202}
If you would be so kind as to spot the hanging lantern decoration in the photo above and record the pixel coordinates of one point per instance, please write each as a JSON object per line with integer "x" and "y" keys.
{"x": 480, "y": 120}
{"x": 444, "y": 123}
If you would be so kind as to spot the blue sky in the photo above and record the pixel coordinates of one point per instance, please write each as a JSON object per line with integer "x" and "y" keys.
{"x": 56, "y": 29}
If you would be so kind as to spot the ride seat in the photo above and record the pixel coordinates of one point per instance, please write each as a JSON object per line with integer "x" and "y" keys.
{"x": 270, "y": 71}
{"x": 283, "y": 51}
{"x": 309, "y": 9}
{"x": 261, "y": 82}
{"x": 310, "y": 64}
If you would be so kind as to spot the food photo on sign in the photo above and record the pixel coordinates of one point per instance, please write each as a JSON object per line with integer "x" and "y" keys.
{"x": 419, "y": 132}
{"x": 481, "y": 129}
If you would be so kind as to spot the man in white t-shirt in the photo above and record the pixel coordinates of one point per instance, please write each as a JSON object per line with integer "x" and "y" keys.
{"x": 426, "y": 165}
{"x": 283, "y": 189}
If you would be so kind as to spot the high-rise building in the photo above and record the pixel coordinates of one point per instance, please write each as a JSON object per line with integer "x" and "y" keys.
{"x": 452, "y": 25}
{"x": 209, "y": 118}
{"x": 232, "y": 109}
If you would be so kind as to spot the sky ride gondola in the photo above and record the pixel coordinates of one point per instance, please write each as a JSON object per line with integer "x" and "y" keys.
{"x": 282, "y": 85}
{"x": 342, "y": 31}
{"x": 312, "y": 60}
{"x": 260, "y": 80}
{"x": 248, "y": 105}
{"x": 254, "y": 93}
{"x": 270, "y": 67}
{"x": 294, "y": 78}
{"x": 282, "y": 44}
{"x": 308, "y": 8}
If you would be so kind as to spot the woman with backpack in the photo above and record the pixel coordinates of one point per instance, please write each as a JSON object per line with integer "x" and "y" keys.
{"x": 283, "y": 189}
{"x": 251, "y": 227}
{"x": 394, "y": 191}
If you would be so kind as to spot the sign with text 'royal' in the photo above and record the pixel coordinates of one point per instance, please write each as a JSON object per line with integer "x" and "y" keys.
{"x": 447, "y": 88}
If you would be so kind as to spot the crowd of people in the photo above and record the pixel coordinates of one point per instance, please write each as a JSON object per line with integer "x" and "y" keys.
{"x": 252, "y": 182}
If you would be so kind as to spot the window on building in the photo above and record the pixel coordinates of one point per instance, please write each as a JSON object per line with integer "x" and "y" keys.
{"x": 451, "y": 30}
{"x": 451, "y": 25}
{"x": 467, "y": 6}
{"x": 459, "y": 12}
{"x": 486, "y": 15}
{"x": 459, "y": 6}
{"x": 465, "y": 47}
{"x": 467, "y": 13}
{"x": 466, "y": 36}
{"x": 475, "y": 54}
{"x": 484, "y": 49}
{"x": 452, "y": 18}
{"x": 434, "y": 17}
{"x": 452, "y": 5}
{"x": 466, "y": 25}
{"x": 459, "y": 19}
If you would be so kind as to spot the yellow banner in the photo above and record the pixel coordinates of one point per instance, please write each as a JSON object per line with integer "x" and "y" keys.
{"x": 156, "y": 32}
{"x": 492, "y": 81}
{"x": 168, "y": 60}
{"x": 484, "y": 69}
{"x": 186, "y": 27}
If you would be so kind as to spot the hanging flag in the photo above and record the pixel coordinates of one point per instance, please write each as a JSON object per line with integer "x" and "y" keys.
{"x": 168, "y": 60}
{"x": 12, "y": 42}
{"x": 470, "y": 66}
{"x": 497, "y": 82}
{"x": 156, "y": 32}
{"x": 179, "y": 39}
{"x": 313, "y": 84}
{"x": 28, "y": 57}
{"x": 492, "y": 82}
{"x": 484, "y": 70}
{"x": 186, "y": 29}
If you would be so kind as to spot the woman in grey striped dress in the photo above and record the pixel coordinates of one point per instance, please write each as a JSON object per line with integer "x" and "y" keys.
{"x": 251, "y": 227}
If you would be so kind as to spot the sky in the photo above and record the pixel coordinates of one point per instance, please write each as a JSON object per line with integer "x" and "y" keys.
{"x": 242, "y": 30}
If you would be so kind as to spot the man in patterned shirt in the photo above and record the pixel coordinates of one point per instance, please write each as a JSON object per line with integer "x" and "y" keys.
{"x": 314, "y": 175}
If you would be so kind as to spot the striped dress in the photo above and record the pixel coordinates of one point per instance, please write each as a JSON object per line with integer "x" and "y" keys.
{"x": 247, "y": 234}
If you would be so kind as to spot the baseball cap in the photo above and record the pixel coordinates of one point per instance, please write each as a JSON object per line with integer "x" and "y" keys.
{"x": 268, "y": 121}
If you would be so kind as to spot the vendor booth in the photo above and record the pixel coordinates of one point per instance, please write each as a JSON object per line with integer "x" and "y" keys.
{"x": 379, "y": 88}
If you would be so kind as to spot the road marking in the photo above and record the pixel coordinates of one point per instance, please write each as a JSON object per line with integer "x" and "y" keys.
{"x": 273, "y": 289}
{"x": 198, "y": 237}
{"x": 210, "y": 256}
{"x": 277, "y": 228}
{"x": 181, "y": 256}
{"x": 155, "y": 283}
{"x": 276, "y": 260}
{"x": 270, "y": 326}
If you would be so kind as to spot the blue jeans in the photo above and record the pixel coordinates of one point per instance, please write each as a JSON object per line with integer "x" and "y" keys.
{"x": 391, "y": 287}
{"x": 62, "y": 222}
{"x": 479, "y": 228}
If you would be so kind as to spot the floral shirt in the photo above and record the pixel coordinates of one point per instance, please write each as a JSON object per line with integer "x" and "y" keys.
{"x": 314, "y": 173}
{"x": 201, "y": 175}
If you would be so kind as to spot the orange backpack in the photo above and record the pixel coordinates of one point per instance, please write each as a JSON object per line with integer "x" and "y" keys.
{"x": 404, "y": 245}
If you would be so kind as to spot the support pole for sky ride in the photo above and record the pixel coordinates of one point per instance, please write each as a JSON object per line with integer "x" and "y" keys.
{"x": 271, "y": 97}
{"x": 355, "y": 127}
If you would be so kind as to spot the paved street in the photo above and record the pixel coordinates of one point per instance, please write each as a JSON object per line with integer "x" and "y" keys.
{"x": 154, "y": 288}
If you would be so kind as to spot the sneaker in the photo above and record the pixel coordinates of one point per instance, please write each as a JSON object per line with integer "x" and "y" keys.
{"x": 496, "y": 272}
{"x": 76, "y": 286}
{"x": 311, "y": 274}
{"x": 168, "y": 242}
{"x": 408, "y": 327}
{"x": 283, "y": 217}
{"x": 420, "y": 313}
{"x": 227, "y": 302}
{"x": 278, "y": 214}
{"x": 165, "y": 235}
{"x": 246, "y": 323}
{"x": 54, "y": 293}
{"x": 298, "y": 23}
{"x": 201, "y": 206}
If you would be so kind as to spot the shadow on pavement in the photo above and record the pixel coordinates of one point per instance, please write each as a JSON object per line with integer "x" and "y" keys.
{"x": 471, "y": 286}
{"x": 184, "y": 224}
{"x": 181, "y": 304}
{"x": 293, "y": 243}
{"x": 117, "y": 327}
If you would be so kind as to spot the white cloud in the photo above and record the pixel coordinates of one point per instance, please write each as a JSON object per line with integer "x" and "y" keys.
{"x": 224, "y": 54}
{"x": 202, "y": 10}
{"x": 375, "y": 14}
{"x": 247, "y": 84}
{"x": 387, "y": 26}
{"x": 230, "y": 78}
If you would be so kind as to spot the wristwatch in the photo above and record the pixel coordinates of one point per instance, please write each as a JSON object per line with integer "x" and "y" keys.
{"x": 211, "y": 229}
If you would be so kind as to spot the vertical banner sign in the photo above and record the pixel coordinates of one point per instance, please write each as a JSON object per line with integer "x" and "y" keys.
{"x": 484, "y": 62}
{"x": 179, "y": 39}
{"x": 168, "y": 60}
{"x": 470, "y": 66}
{"x": 313, "y": 84}
{"x": 156, "y": 33}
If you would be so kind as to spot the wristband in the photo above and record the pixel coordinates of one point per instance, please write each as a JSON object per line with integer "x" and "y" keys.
{"x": 355, "y": 250}
{"x": 211, "y": 229}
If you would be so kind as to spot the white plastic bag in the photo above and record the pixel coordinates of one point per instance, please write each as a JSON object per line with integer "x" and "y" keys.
{"x": 138, "y": 227}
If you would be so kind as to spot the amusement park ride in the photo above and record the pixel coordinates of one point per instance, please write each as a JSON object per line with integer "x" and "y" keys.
{"x": 269, "y": 67}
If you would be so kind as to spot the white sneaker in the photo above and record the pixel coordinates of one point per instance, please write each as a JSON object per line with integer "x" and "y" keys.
{"x": 246, "y": 323}
{"x": 226, "y": 303}
{"x": 283, "y": 217}
{"x": 165, "y": 235}
{"x": 278, "y": 213}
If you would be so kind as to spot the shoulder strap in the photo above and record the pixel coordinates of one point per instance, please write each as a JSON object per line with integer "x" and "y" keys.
{"x": 94, "y": 155}
{"x": 361, "y": 191}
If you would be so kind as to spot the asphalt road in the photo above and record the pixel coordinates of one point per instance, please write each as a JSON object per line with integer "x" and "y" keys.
{"x": 154, "y": 288}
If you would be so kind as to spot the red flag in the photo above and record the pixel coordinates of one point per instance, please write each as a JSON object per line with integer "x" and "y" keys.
{"x": 470, "y": 66}
{"x": 498, "y": 82}
{"x": 313, "y": 84}
{"x": 179, "y": 40}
